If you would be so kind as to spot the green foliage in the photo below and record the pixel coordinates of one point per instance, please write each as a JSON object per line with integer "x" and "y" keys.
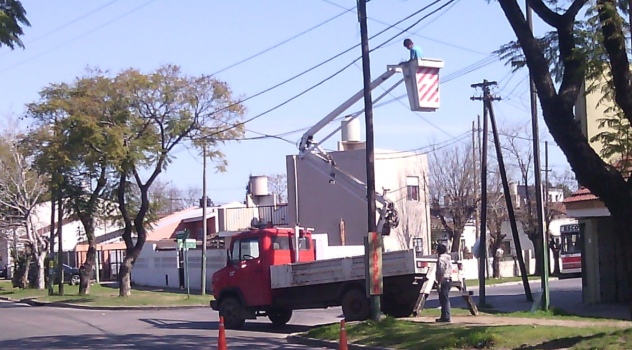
{"x": 422, "y": 335}
{"x": 595, "y": 67}
{"x": 616, "y": 138}
{"x": 12, "y": 18}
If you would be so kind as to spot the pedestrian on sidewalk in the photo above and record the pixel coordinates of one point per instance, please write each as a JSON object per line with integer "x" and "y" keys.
{"x": 444, "y": 282}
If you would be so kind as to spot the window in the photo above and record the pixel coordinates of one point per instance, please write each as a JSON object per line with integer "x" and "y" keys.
{"x": 303, "y": 243}
{"x": 571, "y": 243}
{"x": 245, "y": 249}
{"x": 412, "y": 188}
{"x": 281, "y": 243}
{"x": 249, "y": 248}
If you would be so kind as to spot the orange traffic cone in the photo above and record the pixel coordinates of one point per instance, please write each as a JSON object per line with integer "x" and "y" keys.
{"x": 343, "y": 336}
{"x": 221, "y": 337}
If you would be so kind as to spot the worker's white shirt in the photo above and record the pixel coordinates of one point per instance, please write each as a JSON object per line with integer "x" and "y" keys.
{"x": 444, "y": 266}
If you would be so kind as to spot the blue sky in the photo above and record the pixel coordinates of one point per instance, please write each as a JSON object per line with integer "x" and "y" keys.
{"x": 206, "y": 36}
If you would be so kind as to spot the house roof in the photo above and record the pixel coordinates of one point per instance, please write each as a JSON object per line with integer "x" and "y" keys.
{"x": 581, "y": 195}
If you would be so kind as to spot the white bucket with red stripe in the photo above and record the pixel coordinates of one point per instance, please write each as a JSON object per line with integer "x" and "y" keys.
{"x": 422, "y": 84}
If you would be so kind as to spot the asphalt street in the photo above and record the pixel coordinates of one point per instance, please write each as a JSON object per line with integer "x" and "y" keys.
{"x": 31, "y": 327}
{"x": 28, "y": 327}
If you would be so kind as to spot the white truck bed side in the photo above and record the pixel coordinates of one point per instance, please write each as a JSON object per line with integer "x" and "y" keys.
{"x": 394, "y": 263}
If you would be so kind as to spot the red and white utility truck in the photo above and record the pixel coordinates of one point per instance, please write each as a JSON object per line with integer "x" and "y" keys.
{"x": 262, "y": 279}
{"x": 267, "y": 276}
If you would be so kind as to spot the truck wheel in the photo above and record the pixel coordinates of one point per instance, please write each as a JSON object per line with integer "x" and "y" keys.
{"x": 230, "y": 308}
{"x": 399, "y": 310}
{"x": 280, "y": 317}
{"x": 355, "y": 305}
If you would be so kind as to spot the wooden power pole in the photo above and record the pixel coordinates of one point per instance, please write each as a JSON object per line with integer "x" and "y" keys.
{"x": 370, "y": 168}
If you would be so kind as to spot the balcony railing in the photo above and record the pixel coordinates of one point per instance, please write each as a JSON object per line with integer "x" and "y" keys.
{"x": 237, "y": 219}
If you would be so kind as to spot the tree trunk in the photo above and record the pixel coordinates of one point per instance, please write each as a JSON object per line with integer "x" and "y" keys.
{"x": 41, "y": 268}
{"x": 125, "y": 276}
{"x": 537, "y": 250}
{"x": 24, "y": 280}
{"x": 496, "y": 267}
{"x": 125, "y": 272}
{"x": 85, "y": 272}
{"x": 456, "y": 241}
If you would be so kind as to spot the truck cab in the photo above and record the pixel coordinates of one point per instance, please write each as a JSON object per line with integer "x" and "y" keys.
{"x": 242, "y": 289}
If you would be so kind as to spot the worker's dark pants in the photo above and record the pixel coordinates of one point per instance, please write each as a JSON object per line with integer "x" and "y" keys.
{"x": 444, "y": 299}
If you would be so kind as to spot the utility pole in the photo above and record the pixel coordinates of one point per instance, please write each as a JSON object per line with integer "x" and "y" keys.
{"x": 474, "y": 172}
{"x": 508, "y": 199}
{"x": 60, "y": 261}
{"x": 370, "y": 161}
{"x": 546, "y": 183}
{"x": 538, "y": 183}
{"x": 51, "y": 241}
{"x": 487, "y": 99}
{"x": 204, "y": 223}
{"x": 482, "y": 242}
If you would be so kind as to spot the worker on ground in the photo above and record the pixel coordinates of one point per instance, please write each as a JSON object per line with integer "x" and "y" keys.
{"x": 415, "y": 51}
{"x": 444, "y": 282}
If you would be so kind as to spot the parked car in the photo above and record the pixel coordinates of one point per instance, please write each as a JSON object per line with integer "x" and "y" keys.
{"x": 3, "y": 271}
{"x": 71, "y": 275}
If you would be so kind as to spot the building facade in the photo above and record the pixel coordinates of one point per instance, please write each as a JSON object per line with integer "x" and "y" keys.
{"x": 339, "y": 208}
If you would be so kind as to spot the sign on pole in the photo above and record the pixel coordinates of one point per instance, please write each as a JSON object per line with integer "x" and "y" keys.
{"x": 376, "y": 286}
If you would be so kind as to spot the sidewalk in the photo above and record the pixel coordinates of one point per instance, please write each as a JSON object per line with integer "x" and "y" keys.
{"x": 490, "y": 320}
{"x": 570, "y": 301}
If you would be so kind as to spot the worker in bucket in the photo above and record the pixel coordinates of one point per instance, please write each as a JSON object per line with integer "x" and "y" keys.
{"x": 444, "y": 282}
{"x": 415, "y": 51}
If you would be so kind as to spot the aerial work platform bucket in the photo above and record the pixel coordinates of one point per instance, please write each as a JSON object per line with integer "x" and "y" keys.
{"x": 422, "y": 84}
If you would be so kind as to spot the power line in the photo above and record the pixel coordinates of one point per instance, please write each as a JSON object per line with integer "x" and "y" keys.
{"x": 307, "y": 71}
{"x": 283, "y": 42}
{"x": 77, "y": 37}
{"x": 414, "y": 24}
{"x": 417, "y": 33}
{"x": 316, "y": 66}
{"x": 69, "y": 23}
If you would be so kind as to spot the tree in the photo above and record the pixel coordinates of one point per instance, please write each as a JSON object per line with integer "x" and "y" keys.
{"x": 575, "y": 62}
{"x": 517, "y": 145}
{"x": 21, "y": 190}
{"x": 76, "y": 139}
{"x": 496, "y": 216}
{"x": 452, "y": 197}
{"x": 278, "y": 186}
{"x": 166, "y": 108}
{"x": 12, "y": 18}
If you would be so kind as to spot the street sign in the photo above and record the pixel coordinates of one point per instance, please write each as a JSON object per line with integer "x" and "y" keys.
{"x": 184, "y": 234}
{"x": 190, "y": 243}
{"x": 186, "y": 244}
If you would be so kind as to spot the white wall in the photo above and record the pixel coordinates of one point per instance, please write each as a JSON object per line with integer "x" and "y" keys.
{"x": 152, "y": 267}
{"x": 322, "y": 205}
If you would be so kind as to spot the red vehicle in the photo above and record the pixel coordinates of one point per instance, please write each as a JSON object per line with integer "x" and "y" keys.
{"x": 261, "y": 279}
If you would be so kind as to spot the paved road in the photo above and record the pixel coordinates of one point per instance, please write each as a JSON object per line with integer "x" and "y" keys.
{"x": 26, "y": 327}
{"x": 54, "y": 328}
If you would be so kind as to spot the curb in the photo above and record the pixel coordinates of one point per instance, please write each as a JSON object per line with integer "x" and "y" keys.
{"x": 298, "y": 338}
{"x": 33, "y": 302}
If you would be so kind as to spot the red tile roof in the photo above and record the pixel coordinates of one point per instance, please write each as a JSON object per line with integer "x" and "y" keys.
{"x": 581, "y": 195}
